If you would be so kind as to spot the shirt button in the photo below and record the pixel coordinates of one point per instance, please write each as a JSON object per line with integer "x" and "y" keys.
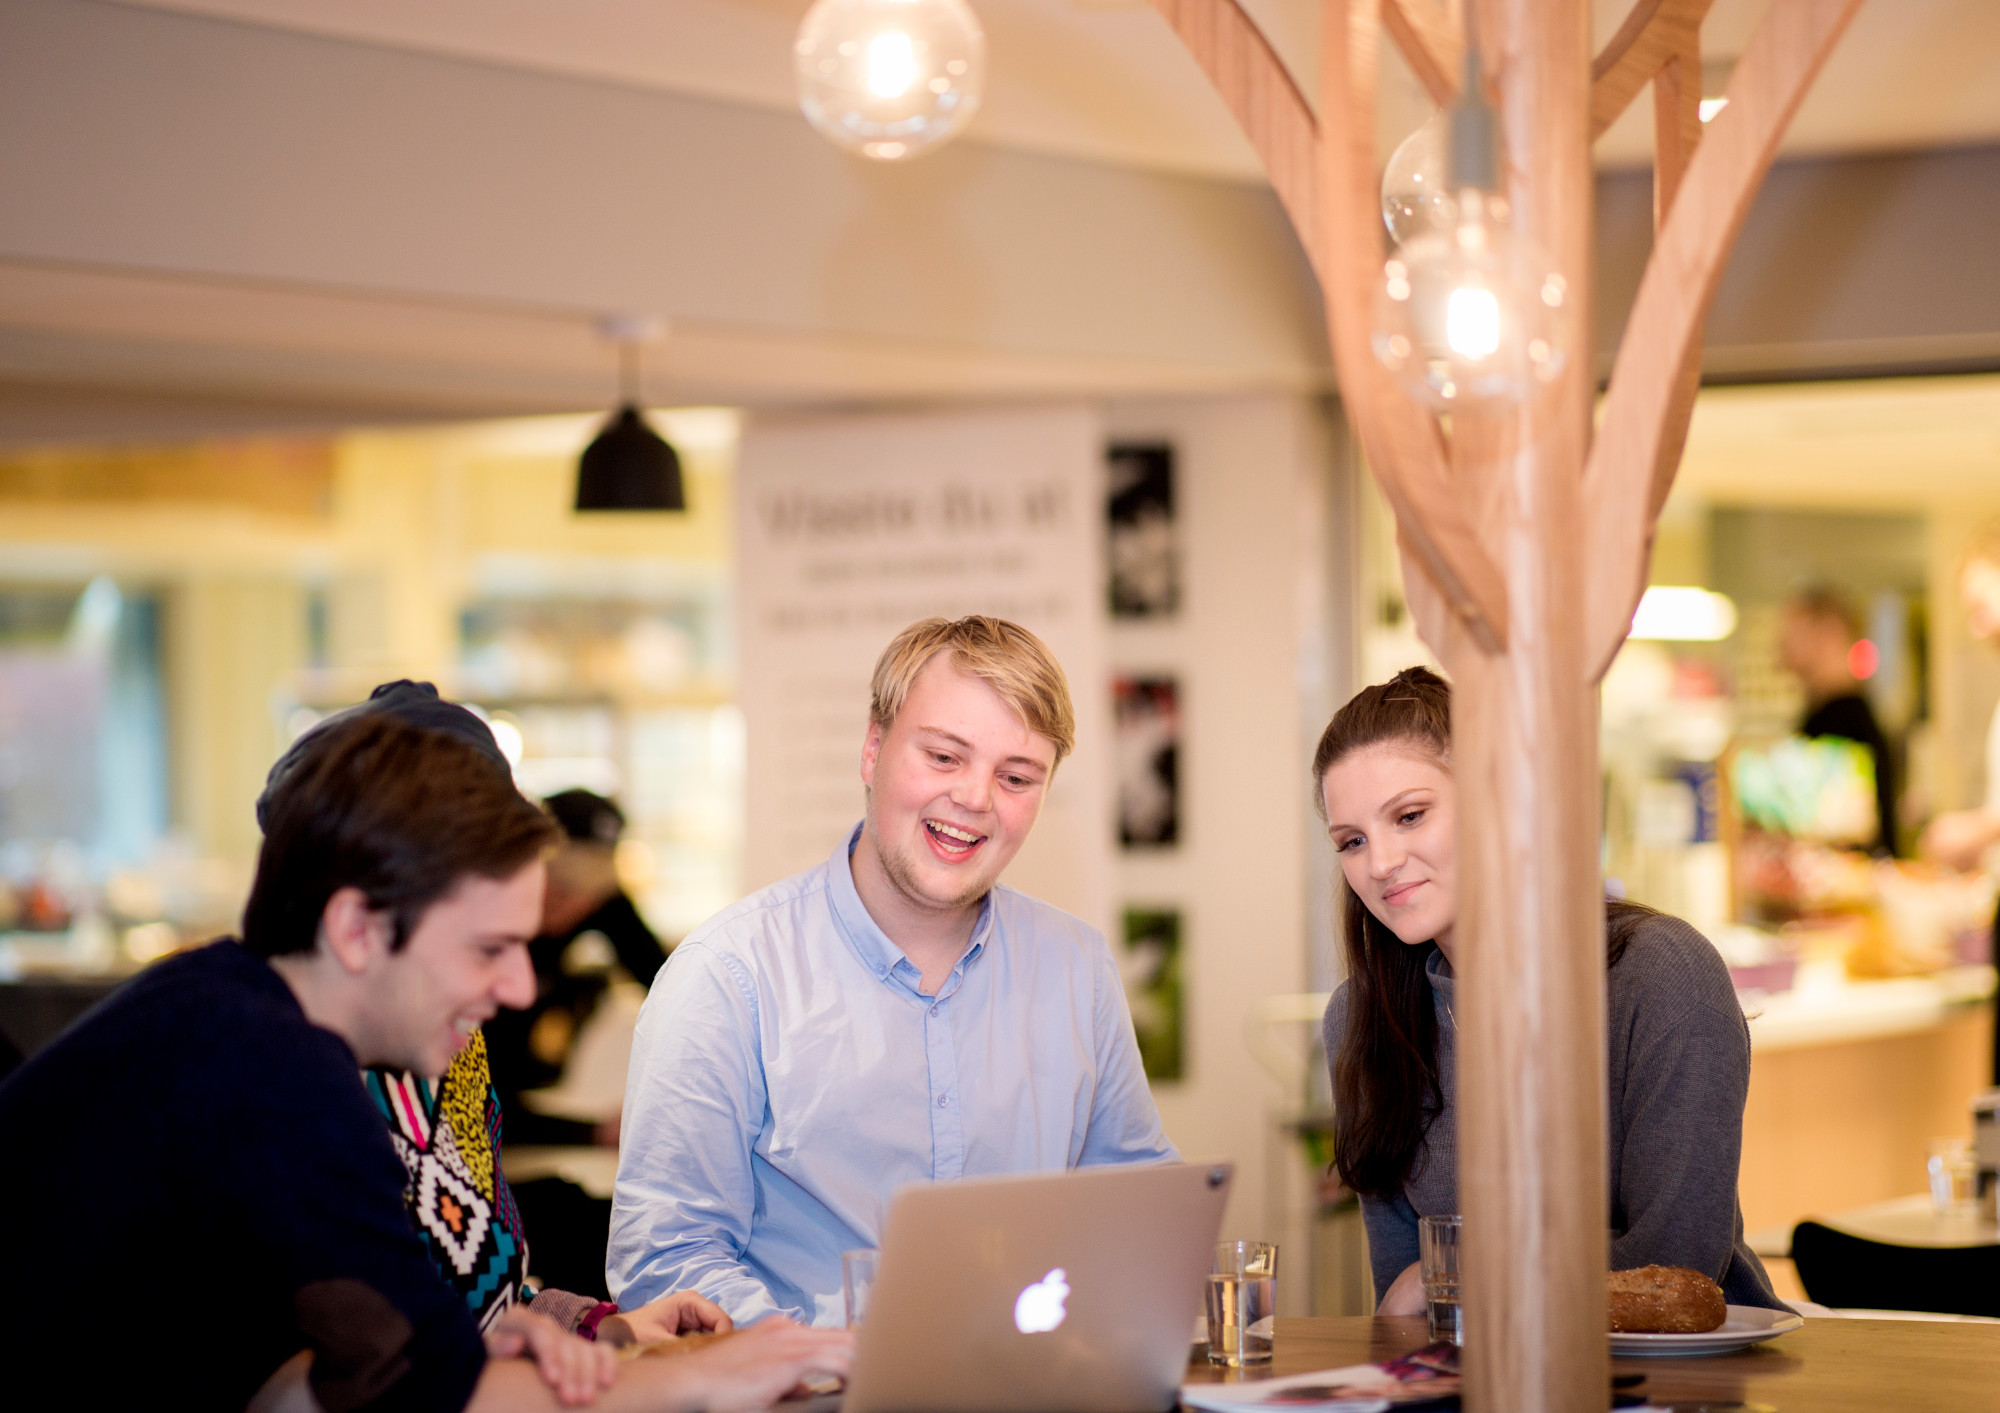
{"x": 943, "y": 1103}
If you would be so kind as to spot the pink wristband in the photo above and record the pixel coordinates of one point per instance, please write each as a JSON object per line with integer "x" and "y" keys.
{"x": 597, "y": 1315}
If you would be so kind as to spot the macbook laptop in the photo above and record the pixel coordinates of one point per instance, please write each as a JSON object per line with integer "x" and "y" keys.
{"x": 1057, "y": 1293}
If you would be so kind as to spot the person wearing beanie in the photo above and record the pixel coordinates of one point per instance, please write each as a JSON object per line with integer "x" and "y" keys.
{"x": 446, "y": 1129}
{"x": 209, "y": 1123}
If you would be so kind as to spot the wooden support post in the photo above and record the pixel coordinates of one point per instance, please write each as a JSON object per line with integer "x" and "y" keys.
{"x": 1524, "y": 547}
{"x": 1530, "y": 939}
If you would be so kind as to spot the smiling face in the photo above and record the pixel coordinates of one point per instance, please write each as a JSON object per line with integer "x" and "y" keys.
{"x": 466, "y": 958}
{"x": 954, "y": 785}
{"x": 1389, "y": 814}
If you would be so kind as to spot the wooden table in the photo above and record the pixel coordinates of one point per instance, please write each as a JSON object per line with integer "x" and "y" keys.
{"x": 1914, "y": 1221}
{"x": 1830, "y": 1366}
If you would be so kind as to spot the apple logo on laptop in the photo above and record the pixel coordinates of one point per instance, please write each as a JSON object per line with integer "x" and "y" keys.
{"x": 1039, "y": 1307}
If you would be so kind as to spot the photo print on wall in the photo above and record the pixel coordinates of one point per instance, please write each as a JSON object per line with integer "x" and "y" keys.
{"x": 1150, "y": 965}
{"x": 1146, "y": 718}
{"x": 1144, "y": 545}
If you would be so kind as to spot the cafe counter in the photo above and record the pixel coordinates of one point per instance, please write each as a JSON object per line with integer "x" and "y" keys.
{"x": 1849, "y": 1082}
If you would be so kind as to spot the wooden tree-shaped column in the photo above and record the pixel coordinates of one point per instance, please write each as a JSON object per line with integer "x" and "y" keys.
{"x": 1525, "y": 542}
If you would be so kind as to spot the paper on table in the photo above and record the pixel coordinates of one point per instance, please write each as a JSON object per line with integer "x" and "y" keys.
{"x": 1428, "y": 1374}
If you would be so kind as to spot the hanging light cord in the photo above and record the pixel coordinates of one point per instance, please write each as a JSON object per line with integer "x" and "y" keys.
{"x": 1470, "y": 156}
{"x": 628, "y": 373}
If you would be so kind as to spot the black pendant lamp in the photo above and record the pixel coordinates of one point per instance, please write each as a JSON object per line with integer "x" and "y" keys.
{"x": 629, "y": 466}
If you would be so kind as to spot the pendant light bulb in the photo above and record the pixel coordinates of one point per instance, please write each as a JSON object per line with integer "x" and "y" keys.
{"x": 1413, "y": 184}
{"x": 890, "y": 79}
{"x": 1467, "y": 311}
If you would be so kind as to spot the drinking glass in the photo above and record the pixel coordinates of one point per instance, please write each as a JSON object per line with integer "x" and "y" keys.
{"x": 1954, "y": 1171}
{"x": 1437, "y": 1246}
{"x": 1242, "y": 1301}
{"x": 857, "y": 1279}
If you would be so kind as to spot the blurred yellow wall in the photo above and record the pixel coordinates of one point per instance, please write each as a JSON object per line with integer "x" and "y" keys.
{"x": 394, "y": 531}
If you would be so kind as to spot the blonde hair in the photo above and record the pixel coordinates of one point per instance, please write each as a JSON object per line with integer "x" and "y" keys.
{"x": 1983, "y": 547}
{"x": 1005, "y": 656}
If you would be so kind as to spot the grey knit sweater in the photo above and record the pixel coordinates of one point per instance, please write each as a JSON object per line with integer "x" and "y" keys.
{"x": 1679, "y": 1070}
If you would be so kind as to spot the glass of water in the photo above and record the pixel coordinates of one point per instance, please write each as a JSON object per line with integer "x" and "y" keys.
{"x": 1242, "y": 1303}
{"x": 1954, "y": 1173}
{"x": 1437, "y": 1246}
{"x": 857, "y": 1279}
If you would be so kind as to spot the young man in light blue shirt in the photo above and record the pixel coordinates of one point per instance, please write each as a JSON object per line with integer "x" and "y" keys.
{"x": 896, "y": 1015}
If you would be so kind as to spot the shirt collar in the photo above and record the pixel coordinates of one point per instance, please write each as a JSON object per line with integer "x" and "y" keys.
{"x": 870, "y": 943}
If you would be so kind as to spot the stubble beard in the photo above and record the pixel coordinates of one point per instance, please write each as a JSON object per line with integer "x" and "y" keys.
{"x": 904, "y": 877}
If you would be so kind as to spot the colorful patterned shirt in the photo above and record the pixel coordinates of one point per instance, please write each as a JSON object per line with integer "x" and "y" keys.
{"x": 447, "y": 1132}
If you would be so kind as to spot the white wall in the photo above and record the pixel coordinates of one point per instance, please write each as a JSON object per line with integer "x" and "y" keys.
{"x": 850, "y": 529}
{"x": 1260, "y": 655}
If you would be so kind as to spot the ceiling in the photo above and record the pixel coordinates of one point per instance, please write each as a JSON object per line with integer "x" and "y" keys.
{"x": 109, "y": 355}
{"x": 1106, "y": 79}
{"x": 91, "y": 349}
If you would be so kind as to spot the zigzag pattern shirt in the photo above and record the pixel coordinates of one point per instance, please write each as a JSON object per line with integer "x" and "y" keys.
{"x": 447, "y": 1132}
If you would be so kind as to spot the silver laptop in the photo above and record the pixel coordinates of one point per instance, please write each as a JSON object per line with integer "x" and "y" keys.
{"x": 1061, "y": 1293}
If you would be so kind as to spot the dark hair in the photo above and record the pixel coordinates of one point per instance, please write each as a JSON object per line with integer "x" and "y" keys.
{"x": 1822, "y": 603}
{"x": 586, "y": 817}
{"x": 1386, "y": 1090}
{"x": 398, "y": 811}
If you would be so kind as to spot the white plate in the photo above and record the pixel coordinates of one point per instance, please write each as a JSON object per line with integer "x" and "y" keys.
{"x": 1746, "y": 1325}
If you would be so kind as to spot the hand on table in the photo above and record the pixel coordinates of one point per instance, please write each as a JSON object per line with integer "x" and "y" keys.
{"x": 574, "y": 1368}
{"x": 669, "y": 1317}
{"x": 1405, "y": 1295}
{"x": 1958, "y": 838}
{"x": 758, "y": 1366}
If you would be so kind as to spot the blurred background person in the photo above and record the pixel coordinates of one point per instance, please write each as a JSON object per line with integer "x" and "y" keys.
{"x": 1962, "y": 839}
{"x": 558, "y": 1067}
{"x": 1818, "y": 635}
{"x": 590, "y": 928}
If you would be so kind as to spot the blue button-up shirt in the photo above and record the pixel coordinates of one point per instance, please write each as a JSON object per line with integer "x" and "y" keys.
{"x": 788, "y": 1076}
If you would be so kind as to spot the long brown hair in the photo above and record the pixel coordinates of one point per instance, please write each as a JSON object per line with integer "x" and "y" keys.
{"x": 1386, "y": 1086}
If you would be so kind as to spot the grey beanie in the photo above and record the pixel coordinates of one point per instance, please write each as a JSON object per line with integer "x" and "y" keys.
{"x": 416, "y": 703}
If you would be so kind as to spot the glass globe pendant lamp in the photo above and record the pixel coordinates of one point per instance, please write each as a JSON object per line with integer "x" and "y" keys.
{"x": 1467, "y": 311}
{"x": 890, "y": 79}
{"x": 1413, "y": 184}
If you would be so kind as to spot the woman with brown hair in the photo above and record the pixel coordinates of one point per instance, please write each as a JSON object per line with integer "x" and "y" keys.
{"x": 1679, "y": 1050}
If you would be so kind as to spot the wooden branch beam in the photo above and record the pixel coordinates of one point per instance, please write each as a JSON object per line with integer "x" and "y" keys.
{"x": 1676, "y": 133}
{"x": 1655, "y": 33}
{"x": 1401, "y": 441}
{"x": 1431, "y": 36}
{"x": 1273, "y": 114}
{"x": 1676, "y": 123}
{"x": 1640, "y": 437}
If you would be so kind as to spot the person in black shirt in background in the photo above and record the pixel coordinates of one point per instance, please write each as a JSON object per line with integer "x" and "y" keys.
{"x": 528, "y": 1049}
{"x": 584, "y": 892}
{"x": 1816, "y": 641}
{"x": 586, "y": 908}
{"x": 204, "y": 1132}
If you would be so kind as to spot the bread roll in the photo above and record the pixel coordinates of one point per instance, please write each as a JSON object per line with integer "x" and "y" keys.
{"x": 1665, "y": 1300}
